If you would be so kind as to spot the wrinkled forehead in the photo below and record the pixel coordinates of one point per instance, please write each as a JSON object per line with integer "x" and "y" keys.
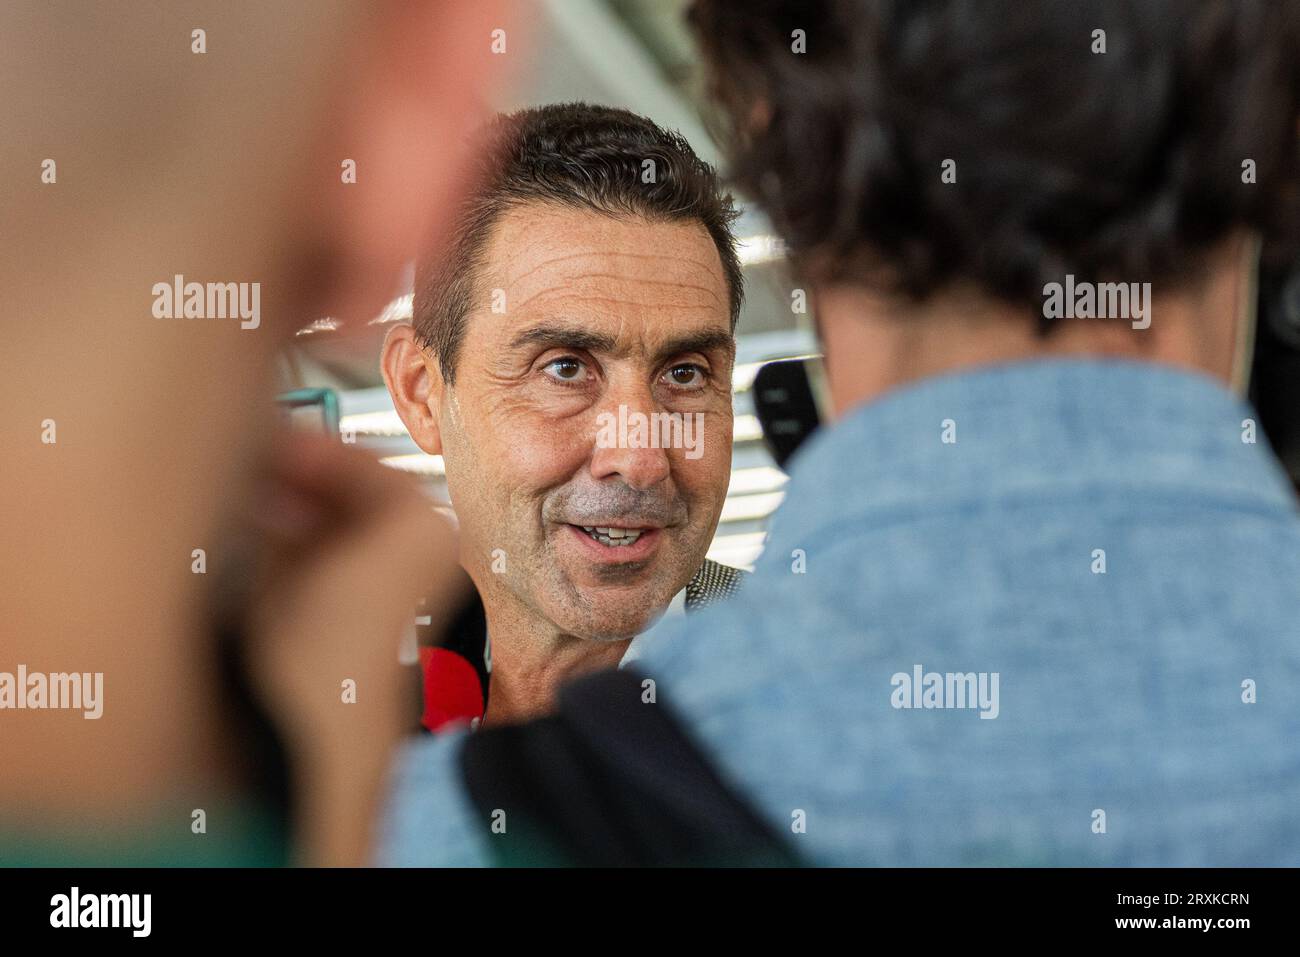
{"x": 625, "y": 276}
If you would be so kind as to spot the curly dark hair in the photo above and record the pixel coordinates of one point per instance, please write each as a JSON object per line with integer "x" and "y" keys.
{"x": 573, "y": 154}
{"x": 1115, "y": 165}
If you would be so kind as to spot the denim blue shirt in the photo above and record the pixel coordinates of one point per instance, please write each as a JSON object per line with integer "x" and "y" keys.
{"x": 1098, "y": 535}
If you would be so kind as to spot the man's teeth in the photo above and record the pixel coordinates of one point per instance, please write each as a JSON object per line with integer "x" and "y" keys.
{"x": 612, "y": 536}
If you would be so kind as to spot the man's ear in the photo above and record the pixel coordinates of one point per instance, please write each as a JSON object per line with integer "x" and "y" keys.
{"x": 415, "y": 384}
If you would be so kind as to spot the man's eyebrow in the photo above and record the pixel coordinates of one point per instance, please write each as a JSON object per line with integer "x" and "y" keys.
{"x": 705, "y": 340}
{"x": 563, "y": 336}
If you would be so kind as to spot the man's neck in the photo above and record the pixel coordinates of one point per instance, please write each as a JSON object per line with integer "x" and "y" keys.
{"x": 529, "y": 665}
{"x": 874, "y": 345}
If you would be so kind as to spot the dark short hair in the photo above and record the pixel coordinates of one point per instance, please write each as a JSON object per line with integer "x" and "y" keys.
{"x": 1114, "y": 165}
{"x": 576, "y": 155}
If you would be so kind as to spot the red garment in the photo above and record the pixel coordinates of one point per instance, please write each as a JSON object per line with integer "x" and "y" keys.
{"x": 452, "y": 692}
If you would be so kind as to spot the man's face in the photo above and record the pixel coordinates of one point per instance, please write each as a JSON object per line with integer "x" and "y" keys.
{"x": 601, "y": 321}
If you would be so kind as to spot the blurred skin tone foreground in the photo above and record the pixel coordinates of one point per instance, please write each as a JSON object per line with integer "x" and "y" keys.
{"x": 164, "y": 442}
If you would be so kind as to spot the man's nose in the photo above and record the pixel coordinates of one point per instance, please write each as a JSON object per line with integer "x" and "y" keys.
{"x": 626, "y": 435}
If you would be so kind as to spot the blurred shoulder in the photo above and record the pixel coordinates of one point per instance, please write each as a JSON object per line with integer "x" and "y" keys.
{"x": 428, "y": 819}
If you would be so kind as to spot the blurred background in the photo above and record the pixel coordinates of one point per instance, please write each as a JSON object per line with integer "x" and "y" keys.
{"x": 635, "y": 54}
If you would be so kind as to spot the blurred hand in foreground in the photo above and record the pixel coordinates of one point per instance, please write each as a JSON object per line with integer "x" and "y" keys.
{"x": 352, "y": 547}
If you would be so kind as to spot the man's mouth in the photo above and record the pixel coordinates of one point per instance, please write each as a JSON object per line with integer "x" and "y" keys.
{"x": 613, "y": 537}
{"x": 617, "y": 544}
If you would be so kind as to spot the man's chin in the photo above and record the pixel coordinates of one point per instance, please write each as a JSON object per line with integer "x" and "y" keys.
{"x": 605, "y": 604}
{"x": 607, "y": 630}
{"x": 600, "y": 621}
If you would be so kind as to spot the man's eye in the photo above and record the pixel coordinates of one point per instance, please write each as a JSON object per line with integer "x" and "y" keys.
{"x": 567, "y": 369}
{"x": 686, "y": 376}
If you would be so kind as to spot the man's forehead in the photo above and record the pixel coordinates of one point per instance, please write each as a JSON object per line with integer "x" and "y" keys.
{"x": 546, "y": 258}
